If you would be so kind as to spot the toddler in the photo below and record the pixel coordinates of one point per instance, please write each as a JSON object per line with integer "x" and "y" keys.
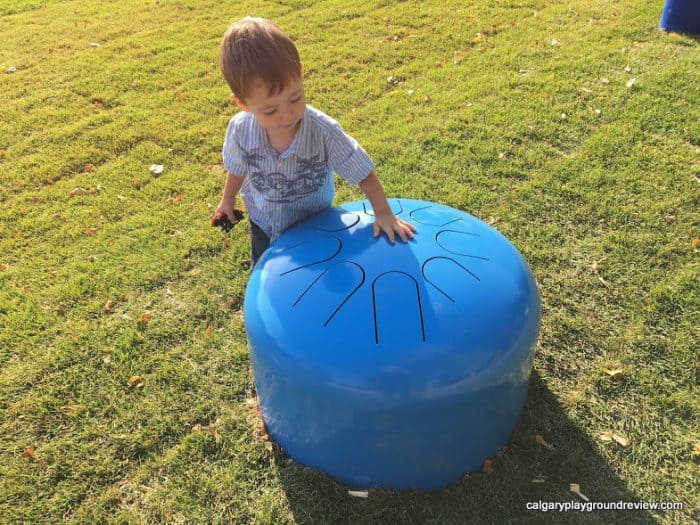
{"x": 279, "y": 152}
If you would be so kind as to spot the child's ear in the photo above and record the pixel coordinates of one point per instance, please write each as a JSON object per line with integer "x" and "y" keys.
{"x": 239, "y": 102}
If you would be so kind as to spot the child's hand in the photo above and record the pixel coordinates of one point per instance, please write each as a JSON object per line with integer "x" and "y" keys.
{"x": 225, "y": 220}
{"x": 392, "y": 225}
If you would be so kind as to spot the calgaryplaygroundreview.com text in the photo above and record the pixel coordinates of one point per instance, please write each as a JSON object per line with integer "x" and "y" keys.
{"x": 590, "y": 506}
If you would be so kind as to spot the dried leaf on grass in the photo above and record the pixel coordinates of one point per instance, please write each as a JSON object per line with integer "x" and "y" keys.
{"x": 696, "y": 450}
{"x": 542, "y": 442}
{"x": 576, "y": 489}
{"x": 613, "y": 372}
{"x": 211, "y": 429}
{"x": 617, "y": 438}
{"x": 137, "y": 381}
{"x": 488, "y": 466}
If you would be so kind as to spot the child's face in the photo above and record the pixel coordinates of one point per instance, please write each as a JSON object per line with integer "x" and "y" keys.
{"x": 280, "y": 113}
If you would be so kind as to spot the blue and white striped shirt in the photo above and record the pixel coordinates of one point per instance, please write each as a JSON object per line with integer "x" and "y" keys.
{"x": 283, "y": 188}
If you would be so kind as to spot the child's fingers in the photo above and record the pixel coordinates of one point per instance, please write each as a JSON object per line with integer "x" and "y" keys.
{"x": 409, "y": 229}
{"x": 390, "y": 233}
{"x": 402, "y": 233}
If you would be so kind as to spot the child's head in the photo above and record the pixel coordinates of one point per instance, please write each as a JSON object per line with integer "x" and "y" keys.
{"x": 254, "y": 51}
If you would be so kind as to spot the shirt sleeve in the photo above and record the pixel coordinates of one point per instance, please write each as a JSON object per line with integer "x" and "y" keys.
{"x": 346, "y": 157}
{"x": 232, "y": 152}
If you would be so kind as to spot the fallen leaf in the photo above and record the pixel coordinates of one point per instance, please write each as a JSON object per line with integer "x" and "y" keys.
{"x": 628, "y": 69}
{"x": 621, "y": 440}
{"x": 555, "y": 42}
{"x": 176, "y": 198}
{"x": 71, "y": 409}
{"x": 613, "y": 372}
{"x": 576, "y": 489}
{"x": 492, "y": 220}
{"x": 108, "y": 306}
{"x": 617, "y": 438}
{"x": 208, "y": 331}
{"x": 631, "y": 82}
{"x": 539, "y": 479}
{"x": 358, "y": 493}
{"x": 478, "y": 38}
{"x": 146, "y": 317}
{"x": 604, "y": 81}
{"x": 488, "y": 466}
{"x": 696, "y": 451}
{"x": 542, "y": 442}
{"x": 156, "y": 169}
{"x": 29, "y": 452}
{"x": 695, "y": 242}
{"x": 94, "y": 44}
{"x": 136, "y": 381}
{"x": 671, "y": 218}
{"x": 11, "y": 69}
{"x": 89, "y": 168}
{"x": 107, "y": 359}
{"x": 78, "y": 191}
{"x": 502, "y": 155}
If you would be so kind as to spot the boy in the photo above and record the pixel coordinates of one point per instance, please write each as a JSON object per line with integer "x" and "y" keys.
{"x": 278, "y": 151}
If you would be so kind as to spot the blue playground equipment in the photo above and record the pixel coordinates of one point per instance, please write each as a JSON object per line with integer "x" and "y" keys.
{"x": 681, "y": 16}
{"x": 392, "y": 366}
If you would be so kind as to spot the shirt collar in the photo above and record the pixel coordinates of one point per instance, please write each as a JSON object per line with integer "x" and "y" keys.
{"x": 300, "y": 145}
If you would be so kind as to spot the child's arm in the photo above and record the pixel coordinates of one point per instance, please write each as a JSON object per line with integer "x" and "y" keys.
{"x": 228, "y": 200}
{"x": 384, "y": 220}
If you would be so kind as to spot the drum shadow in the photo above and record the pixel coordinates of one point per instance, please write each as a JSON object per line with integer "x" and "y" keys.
{"x": 526, "y": 472}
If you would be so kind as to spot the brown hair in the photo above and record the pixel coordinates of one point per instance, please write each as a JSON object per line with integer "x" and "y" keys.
{"x": 255, "y": 49}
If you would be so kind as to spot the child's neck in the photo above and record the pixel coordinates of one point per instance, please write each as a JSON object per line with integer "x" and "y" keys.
{"x": 281, "y": 140}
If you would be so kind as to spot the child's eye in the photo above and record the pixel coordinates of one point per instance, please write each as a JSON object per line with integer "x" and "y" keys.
{"x": 295, "y": 100}
{"x": 271, "y": 112}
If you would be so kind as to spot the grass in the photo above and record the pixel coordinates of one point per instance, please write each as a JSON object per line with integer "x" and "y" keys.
{"x": 124, "y": 371}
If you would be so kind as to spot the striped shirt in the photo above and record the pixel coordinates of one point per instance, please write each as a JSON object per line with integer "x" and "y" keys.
{"x": 283, "y": 188}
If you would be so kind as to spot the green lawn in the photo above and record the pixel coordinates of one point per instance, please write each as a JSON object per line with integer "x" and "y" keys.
{"x": 125, "y": 381}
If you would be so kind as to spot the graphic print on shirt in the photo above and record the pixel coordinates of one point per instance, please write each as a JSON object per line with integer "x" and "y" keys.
{"x": 310, "y": 175}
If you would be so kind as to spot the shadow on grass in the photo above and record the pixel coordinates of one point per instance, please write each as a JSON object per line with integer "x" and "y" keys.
{"x": 499, "y": 497}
